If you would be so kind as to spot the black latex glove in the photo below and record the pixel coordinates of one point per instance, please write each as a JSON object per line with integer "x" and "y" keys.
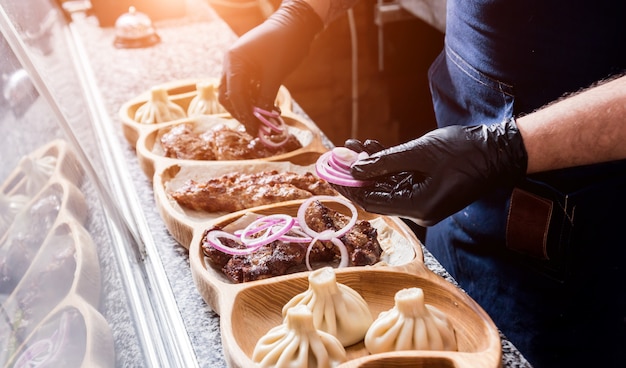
{"x": 370, "y": 146}
{"x": 434, "y": 176}
{"x": 258, "y": 62}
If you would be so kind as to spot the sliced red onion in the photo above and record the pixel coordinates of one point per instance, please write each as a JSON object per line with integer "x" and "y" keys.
{"x": 213, "y": 238}
{"x": 299, "y": 237}
{"x": 335, "y": 175}
{"x": 267, "y": 223}
{"x": 308, "y": 253}
{"x": 264, "y": 137}
{"x": 266, "y": 118}
{"x": 275, "y": 227}
{"x": 344, "y": 156}
{"x": 326, "y": 234}
{"x": 46, "y": 351}
{"x": 343, "y": 251}
{"x": 272, "y": 122}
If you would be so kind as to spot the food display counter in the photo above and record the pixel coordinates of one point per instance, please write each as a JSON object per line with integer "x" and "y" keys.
{"x": 66, "y": 149}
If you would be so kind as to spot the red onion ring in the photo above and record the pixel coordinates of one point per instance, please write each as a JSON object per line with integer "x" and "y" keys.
{"x": 266, "y": 118}
{"x": 264, "y": 137}
{"x": 343, "y": 251}
{"x": 299, "y": 237}
{"x": 326, "y": 234}
{"x": 334, "y": 175}
{"x": 45, "y": 351}
{"x": 344, "y": 156}
{"x": 272, "y": 122}
{"x": 308, "y": 253}
{"x": 267, "y": 223}
{"x": 213, "y": 238}
{"x": 275, "y": 227}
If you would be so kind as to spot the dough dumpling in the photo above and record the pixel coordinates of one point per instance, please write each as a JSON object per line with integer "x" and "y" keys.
{"x": 410, "y": 325}
{"x": 159, "y": 109}
{"x": 297, "y": 344}
{"x": 205, "y": 103}
{"x": 337, "y": 308}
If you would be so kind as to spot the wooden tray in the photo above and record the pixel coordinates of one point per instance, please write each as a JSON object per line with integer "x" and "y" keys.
{"x": 249, "y": 310}
{"x": 52, "y": 265}
{"x": 88, "y": 337}
{"x": 145, "y": 137}
{"x": 57, "y": 192}
{"x": 33, "y": 173}
{"x": 181, "y": 92}
{"x": 150, "y": 152}
{"x": 65, "y": 265}
{"x": 182, "y": 222}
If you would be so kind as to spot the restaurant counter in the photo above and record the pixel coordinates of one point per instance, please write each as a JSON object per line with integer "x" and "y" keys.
{"x": 191, "y": 47}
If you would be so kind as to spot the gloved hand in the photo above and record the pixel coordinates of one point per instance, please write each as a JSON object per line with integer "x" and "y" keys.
{"x": 370, "y": 146}
{"x": 434, "y": 176}
{"x": 258, "y": 62}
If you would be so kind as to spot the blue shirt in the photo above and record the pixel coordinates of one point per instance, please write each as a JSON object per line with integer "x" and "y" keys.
{"x": 504, "y": 58}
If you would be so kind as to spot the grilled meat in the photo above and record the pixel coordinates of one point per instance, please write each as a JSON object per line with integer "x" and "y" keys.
{"x": 219, "y": 143}
{"x": 279, "y": 257}
{"x": 236, "y": 191}
{"x": 181, "y": 142}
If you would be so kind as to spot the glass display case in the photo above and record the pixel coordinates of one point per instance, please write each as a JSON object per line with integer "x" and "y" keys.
{"x": 79, "y": 284}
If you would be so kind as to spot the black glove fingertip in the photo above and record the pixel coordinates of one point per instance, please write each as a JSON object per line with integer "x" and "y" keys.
{"x": 372, "y": 146}
{"x": 354, "y": 144}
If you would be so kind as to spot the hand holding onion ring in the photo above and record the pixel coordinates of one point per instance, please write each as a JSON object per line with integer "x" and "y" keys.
{"x": 272, "y": 125}
{"x": 334, "y": 167}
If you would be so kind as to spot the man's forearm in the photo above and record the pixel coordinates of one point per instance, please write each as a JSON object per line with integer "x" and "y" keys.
{"x": 587, "y": 128}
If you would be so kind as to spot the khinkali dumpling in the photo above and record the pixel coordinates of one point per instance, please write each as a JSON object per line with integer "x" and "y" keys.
{"x": 205, "y": 103}
{"x": 298, "y": 344}
{"x": 337, "y": 308}
{"x": 410, "y": 325}
{"x": 158, "y": 109}
{"x": 10, "y": 206}
{"x": 37, "y": 172}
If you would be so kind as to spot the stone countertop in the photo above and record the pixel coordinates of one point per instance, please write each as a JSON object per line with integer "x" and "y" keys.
{"x": 192, "y": 47}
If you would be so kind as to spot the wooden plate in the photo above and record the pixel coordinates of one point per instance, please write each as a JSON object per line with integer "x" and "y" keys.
{"x": 249, "y": 310}
{"x": 33, "y": 174}
{"x": 86, "y": 335}
{"x": 180, "y": 221}
{"x": 54, "y": 159}
{"x": 57, "y": 197}
{"x": 180, "y": 92}
{"x": 150, "y": 152}
{"x": 66, "y": 264}
{"x": 51, "y": 260}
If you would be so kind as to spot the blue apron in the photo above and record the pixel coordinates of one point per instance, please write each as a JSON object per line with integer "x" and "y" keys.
{"x": 566, "y": 304}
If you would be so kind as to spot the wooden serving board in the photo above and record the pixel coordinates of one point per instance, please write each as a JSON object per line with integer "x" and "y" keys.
{"x": 250, "y": 309}
{"x": 145, "y": 137}
{"x": 181, "y": 92}
{"x": 85, "y": 330}
{"x": 182, "y": 222}
{"x": 62, "y": 270}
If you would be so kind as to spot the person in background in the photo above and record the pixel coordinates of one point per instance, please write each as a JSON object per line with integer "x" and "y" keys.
{"x": 523, "y": 185}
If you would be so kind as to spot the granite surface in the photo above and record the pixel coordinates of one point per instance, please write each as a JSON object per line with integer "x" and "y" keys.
{"x": 190, "y": 48}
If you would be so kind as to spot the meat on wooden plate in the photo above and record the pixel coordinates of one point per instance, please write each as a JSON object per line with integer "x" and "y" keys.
{"x": 279, "y": 257}
{"x": 220, "y": 143}
{"x": 236, "y": 191}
